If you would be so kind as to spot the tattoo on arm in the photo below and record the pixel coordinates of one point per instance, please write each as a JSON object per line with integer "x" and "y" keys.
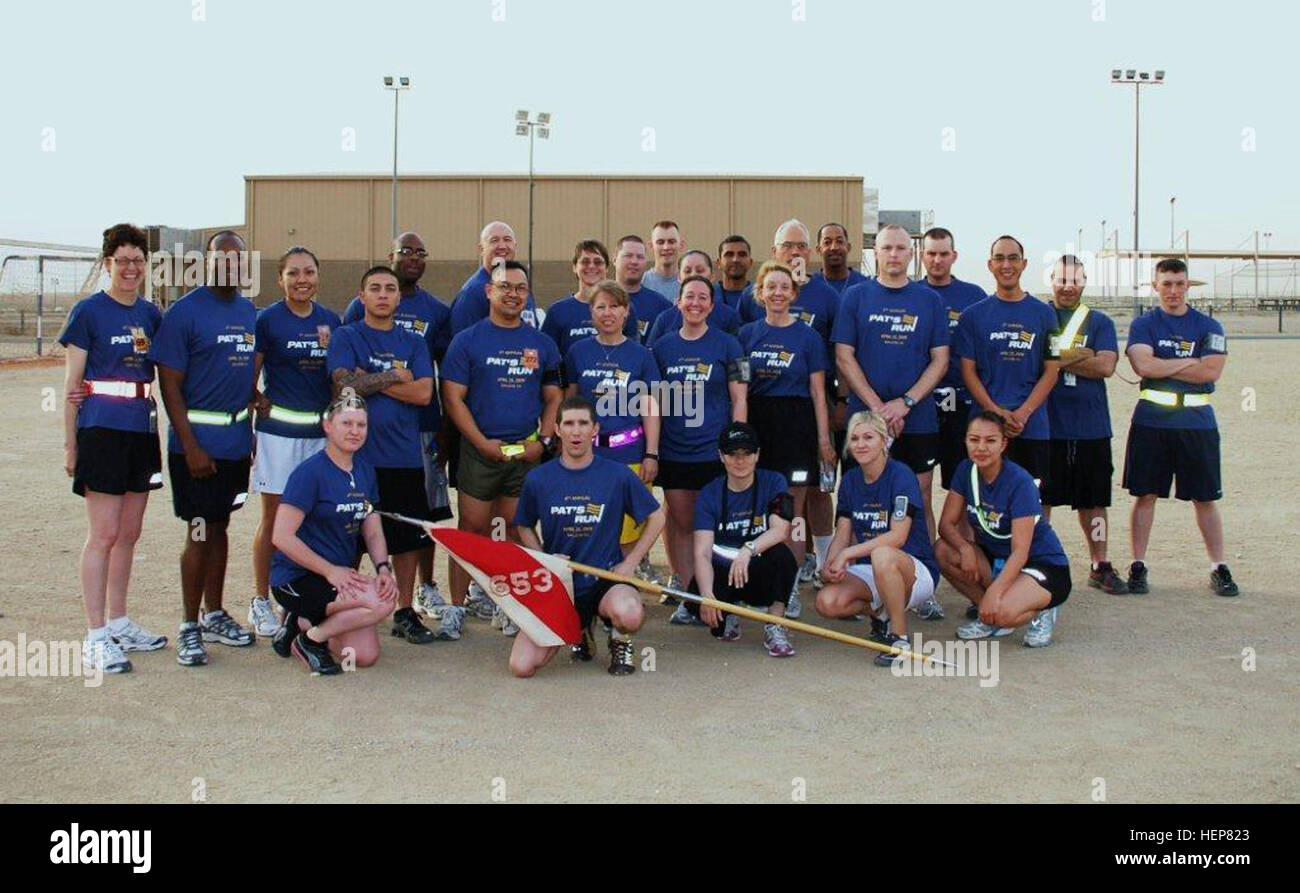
{"x": 364, "y": 383}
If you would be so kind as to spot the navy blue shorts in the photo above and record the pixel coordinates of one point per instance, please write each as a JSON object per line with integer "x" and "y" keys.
{"x": 1154, "y": 457}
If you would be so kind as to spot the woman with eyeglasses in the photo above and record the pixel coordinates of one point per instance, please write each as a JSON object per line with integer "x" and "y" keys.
{"x": 111, "y": 449}
{"x": 569, "y": 320}
{"x": 292, "y": 343}
{"x": 326, "y": 513}
{"x": 1014, "y": 569}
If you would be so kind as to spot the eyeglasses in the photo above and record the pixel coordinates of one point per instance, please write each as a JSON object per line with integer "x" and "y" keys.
{"x": 520, "y": 290}
{"x": 129, "y": 261}
{"x": 413, "y": 252}
{"x": 791, "y": 246}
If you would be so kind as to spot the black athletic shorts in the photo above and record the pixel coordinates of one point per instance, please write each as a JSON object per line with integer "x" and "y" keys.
{"x": 210, "y": 498}
{"x": 116, "y": 462}
{"x": 919, "y": 452}
{"x": 687, "y": 475}
{"x": 952, "y": 441}
{"x": 771, "y": 578}
{"x": 307, "y": 596}
{"x": 787, "y": 438}
{"x": 1155, "y": 456}
{"x": 401, "y": 490}
{"x": 588, "y": 601}
{"x": 1055, "y": 578}
{"x": 1034, "y": 456}
{"x": 1080, "y": 474}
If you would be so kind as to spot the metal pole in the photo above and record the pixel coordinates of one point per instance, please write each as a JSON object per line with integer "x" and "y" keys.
{"x": 1256, "y": 265}
{"x": 1137, "y": 148}
{"x": 530, "y": 199}
{"x": 396, "y": 93}
{"x": 40, "y": 300}
{"x": 1101, "y": 273}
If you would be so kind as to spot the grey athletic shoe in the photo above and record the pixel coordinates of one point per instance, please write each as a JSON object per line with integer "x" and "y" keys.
{"x": 683, "y": 617}
{"x": 189, "y": 645}
{"x": 809, "y": 569}
{"x": 218, "y": 626}
{"x": 428, "y": 601}
{"x": 451, "y": 618}
{"x": 479, "y": 604}
{"x": 133, "y": 637}
{"x": 262, "y": 617}
{"x": 978, "y": 629}
{"x": 1038, "y": 632}
{"x": 104, "y": 655}
{"x": 777, "y": 641}
{"x": 730, "y": 628}
{"x": 501, "y": 620}
{"x": 930, "y": 609}
{"x": 794, "y": 607}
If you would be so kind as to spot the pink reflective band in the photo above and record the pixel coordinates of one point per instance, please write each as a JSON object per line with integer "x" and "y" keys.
{"x": 623, "y": 438}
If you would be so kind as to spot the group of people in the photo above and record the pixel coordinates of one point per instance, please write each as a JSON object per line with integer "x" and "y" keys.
{"x": 743, "y": 399}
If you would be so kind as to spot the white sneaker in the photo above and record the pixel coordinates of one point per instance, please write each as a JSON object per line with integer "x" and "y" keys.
{"x": 501, "y": 620}
{"x": 794, "y": 607}
{"x": 429, "y": 601}
{"x": 104, "y": 656}
{"x": 262, "y": 617}
{"x": 133, "y": 637}
{"x": 809, "y": 569}
{"x": 479, "y": 604}
{"x": 450, "y": 622}
{"x": 978, "y": 629}
{"x": 1038, "y": 632}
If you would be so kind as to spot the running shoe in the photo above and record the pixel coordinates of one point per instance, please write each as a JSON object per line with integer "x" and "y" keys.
{"x": 777, "y": 641}
{"x": 104, "y": 655}
{"x": 479, "y": 604}
{"x": 315, "y": 656}
{"x": 673, "y": 583}
{"x": 978, "y": 629}
{"x": 428, "y": 600}
{"x": 1137, "y": 579}
{"x": 282, "y": 641}
{"x": 501, "y": 620}
{"x": 930, "y": 609}
{"x": 817, "y": 580}
{"x": 133, "y": 637}
{"x": 451, "y": 619}
{"x": 262, "y": 617}
{"x": 189, "y": 645}
{"x": 892, "y": 641}
{"x": 218, "y": 626}
{"x": 1105, "y": 579}
{"x": 879, "y": 630}
{"x": 646, "y": 571}
{"x": 1038, "y": 632}
{"x": 683, "y": 617}
{"x": 809, "y": 569}
{"x": 406, "y": 625}
{"x": 620, "y": 656}
{"x": 730, "y": 628}
{"x": 584, "y": 649}
{"x": 1222, "y": 583}
{"x": 794, "y": 607}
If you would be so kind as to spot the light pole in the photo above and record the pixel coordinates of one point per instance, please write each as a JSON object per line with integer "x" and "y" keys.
{"x": 525, "y": 127}
{"x": 1100, "y": 274}
{"x": 1267, "y": 236}
{"x": 1172, "y": 237}
{"x": 403, "y": 83}
{"x": 1137, "y": 80}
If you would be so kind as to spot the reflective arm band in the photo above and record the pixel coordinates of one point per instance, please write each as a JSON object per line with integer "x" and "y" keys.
{"x": 205, "y": 417}
{"x": 294, "y": 417}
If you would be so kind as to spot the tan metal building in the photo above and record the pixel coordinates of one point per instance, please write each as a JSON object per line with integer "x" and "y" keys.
{"x": 346, "y": 220}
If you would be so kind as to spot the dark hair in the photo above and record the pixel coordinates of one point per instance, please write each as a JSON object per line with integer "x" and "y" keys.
{"x": 689, "y": 279}
{"x": 665, "y": 224}
{"x": 735, "y": 237}
{"x": 221, "y": 233}
{"x": 1069, "y": 260}
{"x": 509, "y": 265}
{"x": 590, "y": 246}
{"x": 704, "y": 254}
{"x": 844, "y": 229}
{"x": 640, "y": 241}
{"x": 938, "y": 232}
{"x": 576, "y": 402}
{"x": 988, "y": 415}
{"x": 375, "y": 271}
{"x": 120, "y": 234}
{"x": 296, "y": 249}
{"x": 1012, "y": 238}
{"x": 1171, "y": 265}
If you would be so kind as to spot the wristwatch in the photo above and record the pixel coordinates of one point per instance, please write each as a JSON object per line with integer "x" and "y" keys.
{"x": 753, "y": 553}
{"x": 548, "y": 446}
{"x": 908, "y": 401}
{"x": 384, "y": 564}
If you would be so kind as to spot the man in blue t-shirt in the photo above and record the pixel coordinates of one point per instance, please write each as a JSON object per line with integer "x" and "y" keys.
{"x": 496, "y": 245}
{"x": 204, "y": 354}
{"x": 390, "y": 367}
{"x": 833, "y": 247}
{"x": 629, "y": 270}
{"x": 580, "y": 500}
{"x": 735, "y": 260}
{"x": 952, "y": 400}
{"x": 666, "y": 245}
{"x": 501, "y": 388}
{"x": 1005, "y": 345}
{"x": 1180, "y": 353}
{"x": 1079, "y": 416}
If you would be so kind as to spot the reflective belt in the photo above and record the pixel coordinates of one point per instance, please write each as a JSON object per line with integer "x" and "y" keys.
{"x": 616, "y": 439}
{"x": 511, "y": 450}
{"x": 979, "y": 510}
{"x": 206, "y": 417}
{"x": 1171, "y": 398}
{"x": 141, "y": 390}
{"x": 293, "y": 416}
{"x": 1065, "y": 340}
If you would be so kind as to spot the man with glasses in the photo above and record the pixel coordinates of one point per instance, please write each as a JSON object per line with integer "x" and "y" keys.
{"x": 833, "y": 248}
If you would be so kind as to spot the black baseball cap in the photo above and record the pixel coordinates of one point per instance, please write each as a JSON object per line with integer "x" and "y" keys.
{"x": 738, "y": 436}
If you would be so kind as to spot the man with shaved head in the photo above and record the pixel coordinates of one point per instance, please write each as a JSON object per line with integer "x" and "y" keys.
{"x": 496, "y": 244}
{"x": 833, "y": 248}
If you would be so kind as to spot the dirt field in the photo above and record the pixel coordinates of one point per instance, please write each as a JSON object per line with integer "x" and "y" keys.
{"x": 1146, "y": 693}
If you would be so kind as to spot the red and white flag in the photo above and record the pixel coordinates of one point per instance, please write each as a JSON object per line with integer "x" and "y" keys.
{"x": 533, "y": 588}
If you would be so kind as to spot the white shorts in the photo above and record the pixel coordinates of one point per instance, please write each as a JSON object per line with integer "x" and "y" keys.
{"x": 276, "y": 457}
{"x": 922, "y": 589}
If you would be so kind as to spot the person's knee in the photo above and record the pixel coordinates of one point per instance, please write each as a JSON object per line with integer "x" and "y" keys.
{"x": 101, "y": 541}
{"x": 628, "y": 614}
{"x": 885, "y": 558}
{"x": 366, "y": 655}
{"x": 521, "y": 667}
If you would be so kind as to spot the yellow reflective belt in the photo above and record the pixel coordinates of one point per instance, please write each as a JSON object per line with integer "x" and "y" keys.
{"x": 1065, "y": 340}
{"x": 204, "y": 417}
{"x": 1171, "y": 398}
{"x": 294, "y": 417}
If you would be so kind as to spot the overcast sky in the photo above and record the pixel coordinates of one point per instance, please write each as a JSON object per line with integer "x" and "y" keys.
{"x": 153, "y": 111}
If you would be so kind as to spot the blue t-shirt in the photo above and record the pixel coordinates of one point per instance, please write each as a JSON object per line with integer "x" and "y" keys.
{"x": 745, "y": 515}
{"x": 817, "y": 305}
{"x": 893, "y": 331}
{"x": 731, "y": 298}
{"x": 1013, "y": 494}
{"x": 669, "y": 322}
{"x": 841, "y": 285}
{"x": 393, "y": 435}
{"x": 871, "y": 507}
{"x": 505, "y": 371}
{"x": 957, "y": 296}
{"x": 471, "y": 304}
{"x": 568, "y": 320}
{"x": 116, "y": 340}
{"x": 424, "y": 315}
{"x": 782, "y": 358}
{"x": 1010, "y": 341}
{"x": 334, "y": 504}
{"x": 212, "y": 340}
{"x": 1177, "y": 337}
{"x": 647, "y": 305}
{"x": 582, "y": 511}
{"x": 1077, "y": 408}
{"x": 700, "y": 367}
{"x": 293, "y": 350}
{"x": 668, "y": 286}
{"x": 612, "y": 378}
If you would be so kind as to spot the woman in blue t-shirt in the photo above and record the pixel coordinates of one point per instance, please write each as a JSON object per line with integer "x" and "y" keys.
{"x": 1007, "y": 559}
{"x": 880, "y": 561}
{"x": 111, "y": 447}
{"x": 326, "y": 511}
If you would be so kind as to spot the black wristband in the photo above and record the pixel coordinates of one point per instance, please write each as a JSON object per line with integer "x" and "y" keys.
{"x": 654, "y": 456}
{"x": 384, "y": 564}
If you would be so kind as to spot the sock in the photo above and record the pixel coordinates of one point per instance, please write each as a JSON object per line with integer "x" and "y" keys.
{"x": 96, "y": 635}
{"x": 822, "y": 545}
{"x": 117, "y": 624}
{"x": 619, "y": 636}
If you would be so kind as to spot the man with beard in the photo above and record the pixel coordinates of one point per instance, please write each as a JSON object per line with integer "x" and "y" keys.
{"x": 735, "y": 259}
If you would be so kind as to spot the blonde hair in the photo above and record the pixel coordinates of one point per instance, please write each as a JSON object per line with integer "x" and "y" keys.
{"x": 873, "y": 420}
{"x": 769, "y": 267}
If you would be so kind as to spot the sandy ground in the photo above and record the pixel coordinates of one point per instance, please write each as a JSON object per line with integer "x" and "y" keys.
{"x": 1148, "y": 694}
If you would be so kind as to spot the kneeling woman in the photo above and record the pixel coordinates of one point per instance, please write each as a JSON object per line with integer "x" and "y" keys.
{"x": 326, "y": 509}
{"x": 880, "y": 561}
{"x": 742, "y": 524}
{"x": 1015, "y": 571}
